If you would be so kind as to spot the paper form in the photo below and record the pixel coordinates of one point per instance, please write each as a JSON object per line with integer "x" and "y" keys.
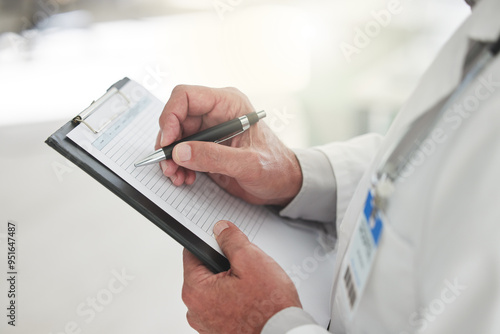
{"x": 131, "y": 137}
{"x": 132, "y": 134}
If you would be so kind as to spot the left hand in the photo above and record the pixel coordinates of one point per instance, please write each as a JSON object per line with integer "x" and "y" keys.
{"x": 242, "y": 299}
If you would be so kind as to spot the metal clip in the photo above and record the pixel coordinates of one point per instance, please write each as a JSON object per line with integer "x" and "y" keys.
{"x": 81, "y": 117}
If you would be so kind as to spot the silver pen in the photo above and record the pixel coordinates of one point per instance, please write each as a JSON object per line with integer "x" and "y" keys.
{"x": 217, "y": 134}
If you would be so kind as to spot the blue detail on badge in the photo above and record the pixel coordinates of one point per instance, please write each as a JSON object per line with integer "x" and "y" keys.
{"x": 376, "y": 229}
{"x": 368, "y": 206}
{"x": 374, "y": 221}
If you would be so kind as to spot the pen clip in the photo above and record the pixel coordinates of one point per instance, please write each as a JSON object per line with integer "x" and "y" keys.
{"x": 228, "y": 137}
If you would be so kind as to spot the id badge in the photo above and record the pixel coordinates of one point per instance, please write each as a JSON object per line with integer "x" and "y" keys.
{"x": 361, "y": 253}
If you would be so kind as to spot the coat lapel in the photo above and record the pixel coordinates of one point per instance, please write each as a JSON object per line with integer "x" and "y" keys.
{"x": 439, "y": 81}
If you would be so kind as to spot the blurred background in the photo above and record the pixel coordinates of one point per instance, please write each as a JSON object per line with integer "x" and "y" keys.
{"x": 324, "y": 70}
{"x": 339, "y": 68}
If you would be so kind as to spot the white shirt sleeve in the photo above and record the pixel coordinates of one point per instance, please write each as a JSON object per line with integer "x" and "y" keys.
{"x": 292, "y": 320}
{"x": 317, "y": 196}
{"x": 330, "y": 176}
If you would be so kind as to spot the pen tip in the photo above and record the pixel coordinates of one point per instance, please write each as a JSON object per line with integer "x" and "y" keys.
{"x": 139, "y": 163}
{"x": 156, "y": 156}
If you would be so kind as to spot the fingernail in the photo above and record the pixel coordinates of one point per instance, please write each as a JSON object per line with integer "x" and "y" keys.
{"x": 183, "y": 152}
{"x": 219, "y": 227}
{"x": 163, "y": 166}
{"x": 173, "y": 178}
{"x": 161, "y": 139}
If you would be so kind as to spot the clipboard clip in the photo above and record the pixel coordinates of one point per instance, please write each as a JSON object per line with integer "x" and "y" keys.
{"x": 81, "y": 117}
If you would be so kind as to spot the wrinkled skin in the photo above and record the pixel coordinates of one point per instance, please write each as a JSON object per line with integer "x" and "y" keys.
{"x": 255, "y": 166}
{"x": 242, "y": 299}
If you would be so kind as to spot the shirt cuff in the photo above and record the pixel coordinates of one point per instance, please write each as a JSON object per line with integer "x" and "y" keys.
{"x": 286, "y": 320}
{"x": 349, "y": 160}
{"x": 317, "y": 197}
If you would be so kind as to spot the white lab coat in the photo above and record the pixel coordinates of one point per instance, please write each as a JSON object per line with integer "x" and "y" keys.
{"x": 437, "y": 269}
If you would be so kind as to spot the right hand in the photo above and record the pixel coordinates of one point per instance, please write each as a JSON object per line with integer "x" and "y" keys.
{"x": 255, "y": 165}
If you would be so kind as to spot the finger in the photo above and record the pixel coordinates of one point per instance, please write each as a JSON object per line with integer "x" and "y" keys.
{"x": 168, "y": 167}
{"x": 185, "y": 100}
{"x": 158, "y": 139}
{"x": 187, "y": 108}
{"x": 190, "y": 177}
{"x": 230, "y": 239}
{"x": 215, "y": 158}
{"x": 179, "y": 177}
{"x": 170, "y": 129}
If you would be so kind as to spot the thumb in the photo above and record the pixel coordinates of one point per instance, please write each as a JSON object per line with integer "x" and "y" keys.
{"x": 210, "y": 157}
{"x": 231, "y": 240}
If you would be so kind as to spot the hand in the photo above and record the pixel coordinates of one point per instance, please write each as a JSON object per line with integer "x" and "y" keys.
{"x": 255, "y": 166}
{"x": 242, "y": 299}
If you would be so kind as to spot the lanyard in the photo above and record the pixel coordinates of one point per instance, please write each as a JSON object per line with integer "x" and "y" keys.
{"x": 398, "y": 156}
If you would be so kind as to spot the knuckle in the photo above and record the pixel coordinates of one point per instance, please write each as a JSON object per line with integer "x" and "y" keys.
{"x": 239, "y": 94}
{"x": 164, "y": 119}
{"x": 233, "y": 90}
{"x": 239, "y": 254}
{"x": 213, "y": 152}
{"x": 241, "y": 250}
{"x": 211, "y": 157}
{"x": 179, "y": 89}
{"x": 247, "y": 254}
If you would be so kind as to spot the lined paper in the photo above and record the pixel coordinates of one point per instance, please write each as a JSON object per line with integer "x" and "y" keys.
{"x": 130, "y": 137}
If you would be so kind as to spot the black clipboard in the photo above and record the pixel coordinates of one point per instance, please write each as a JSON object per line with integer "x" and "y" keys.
{"x": 66, "y": 147}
